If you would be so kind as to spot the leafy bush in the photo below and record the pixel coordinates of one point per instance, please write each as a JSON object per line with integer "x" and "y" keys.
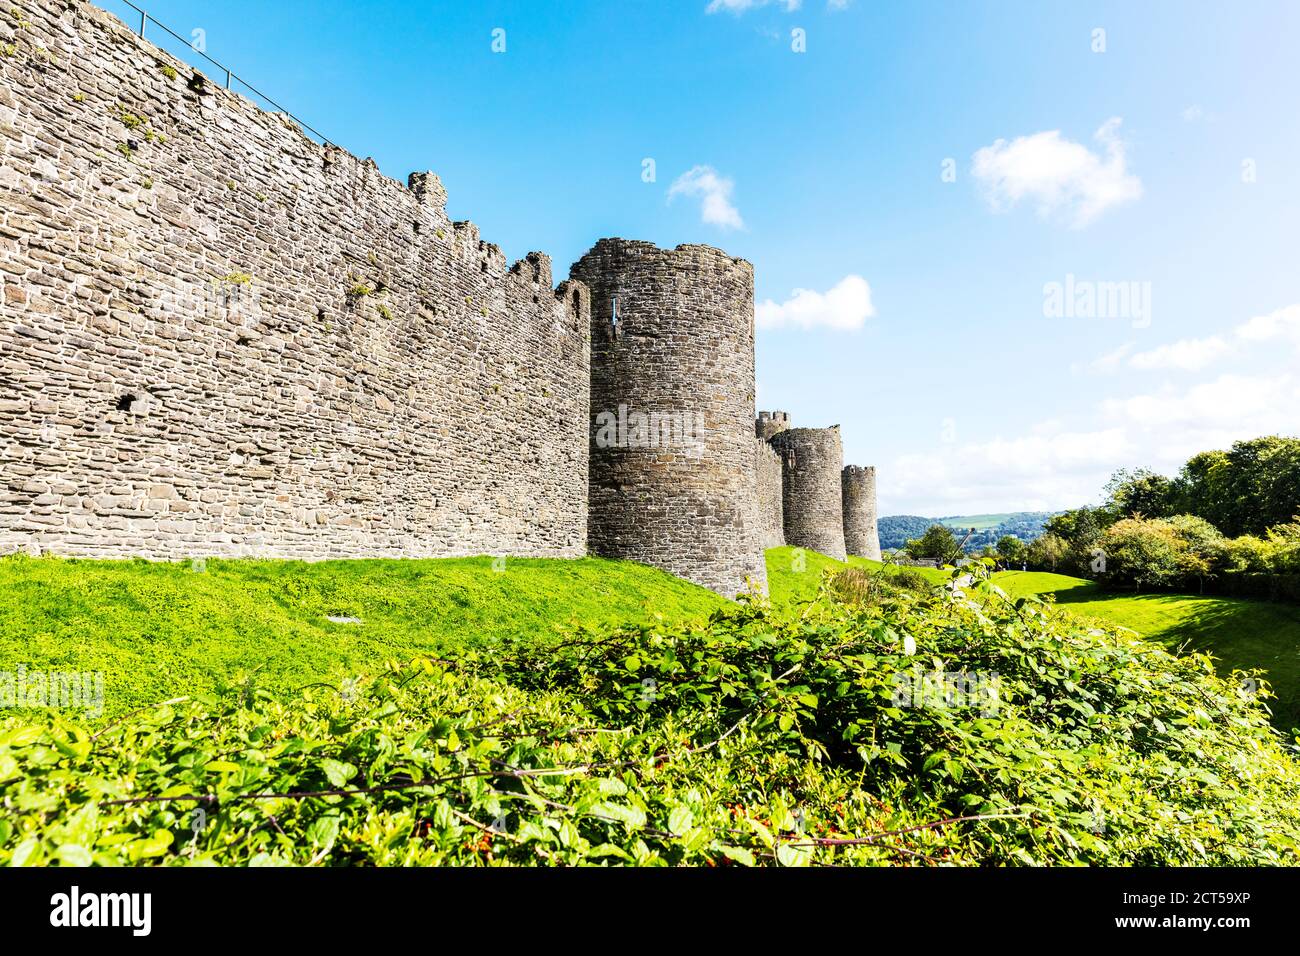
{"x": 1048, "y": 552}
{"x": 910, "y": 579}
{"x": 1187, "y": 552}
{"x": 1247, "y": 555}
{"x": 1141, "y": 553}
{"x": 831, "y": 733}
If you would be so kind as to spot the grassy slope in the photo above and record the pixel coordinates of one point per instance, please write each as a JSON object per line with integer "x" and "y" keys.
{"x": 978, "y": 522}
{"x": 1240, "y": 633}
{"x": 795, "y": 574}
{"x": 162, "y": 630}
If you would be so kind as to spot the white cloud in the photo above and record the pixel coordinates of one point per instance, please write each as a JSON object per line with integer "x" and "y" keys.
{"x": 1250, "y": 404}
{"x": 1192, "y": 113}
{"x": 740, "y": 6}
{"x": 1040, "y": 470}
{"x": 714, "y": 191}
{"x": 1056, "y": 464}
{"x": 1189, "y": 355}
{"x": 1062, "y": 177}
{"x": 1193, "y": 355}
{"x": 844, "y": 307}
{"x": 1109, "y": 363}
{"x": 1050, "y": 467}
{"x": 1283, "y": 325}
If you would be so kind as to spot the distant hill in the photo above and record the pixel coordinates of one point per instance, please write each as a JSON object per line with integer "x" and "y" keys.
{"x": 895, "y": 530}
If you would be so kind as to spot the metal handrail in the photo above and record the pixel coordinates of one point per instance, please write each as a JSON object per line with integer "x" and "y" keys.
{"x": 146, "y": 19}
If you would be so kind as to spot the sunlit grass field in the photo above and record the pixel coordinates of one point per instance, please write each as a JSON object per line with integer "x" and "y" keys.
{"x": 159, "y": 630}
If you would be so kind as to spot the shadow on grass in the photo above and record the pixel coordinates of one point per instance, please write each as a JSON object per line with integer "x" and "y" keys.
{"x": 1240, "y": 634}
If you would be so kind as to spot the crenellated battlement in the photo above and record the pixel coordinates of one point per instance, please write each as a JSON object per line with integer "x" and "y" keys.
{"x": 768, "y": 424}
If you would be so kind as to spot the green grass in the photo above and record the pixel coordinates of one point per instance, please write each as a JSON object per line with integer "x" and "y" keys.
{"x": 159, "y": 630}
{"x": 978, "y": 522}
{"x": 1241, "y": 634}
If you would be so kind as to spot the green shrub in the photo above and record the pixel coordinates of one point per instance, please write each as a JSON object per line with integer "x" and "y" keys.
{"x": 910, "y": 579}
{"x": 761, "y": 736}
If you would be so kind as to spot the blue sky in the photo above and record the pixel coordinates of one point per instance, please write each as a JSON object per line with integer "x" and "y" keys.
{"x": 929, "y": 173}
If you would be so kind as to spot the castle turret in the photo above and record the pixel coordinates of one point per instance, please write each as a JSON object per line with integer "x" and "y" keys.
{"x": 812, "y": 459}
{"x": 768, "y": 424}
{"x": 672, "y": 467}
{"x": 861, "y": 537}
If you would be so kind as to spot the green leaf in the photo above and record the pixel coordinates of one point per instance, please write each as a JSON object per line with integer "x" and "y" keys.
{"x": 608, "y": 849}
{"x": 739, "y": 854}
{"x": 680, "y": 820}
{"x": 630, "y": 816}
{"x": 323, "y": 832}
{"x": 27, "y": 853}
{"x": 337, "y": 772}
{"x": 789, "y": 855}
{"x": 70, "y": 854}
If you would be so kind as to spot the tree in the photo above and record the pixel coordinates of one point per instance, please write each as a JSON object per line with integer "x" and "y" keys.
{"x": 1201, "y": 548}
{"x": 938, "y": 544}
{"x": 1011, "y": 550}
{"x": 1081, "y": 531}
{"x": 1048, "y": 552}
{"x": 1140, "y": 492}
{"x": 1248, "y": 489}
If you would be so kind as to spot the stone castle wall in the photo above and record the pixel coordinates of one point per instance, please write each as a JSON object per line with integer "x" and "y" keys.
{"x": 678, "y": 345}
{"x": 861, "y": 535}
{"x": 221, "y": 338}
{"x": 812, "y": 459}
{"x": 771, "y": 511}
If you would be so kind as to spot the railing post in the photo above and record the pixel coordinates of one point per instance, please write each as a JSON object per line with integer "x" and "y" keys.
{"x": 144, "y": 20}
{"x": 227, "y": 79}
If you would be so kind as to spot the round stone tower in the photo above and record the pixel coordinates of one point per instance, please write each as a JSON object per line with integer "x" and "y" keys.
{"x": 812, "y": 505}
{"x": 861, "y": 537}
{"x": 672, "y": 468}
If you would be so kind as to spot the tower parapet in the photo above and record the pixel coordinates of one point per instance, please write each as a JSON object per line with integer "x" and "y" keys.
{"x": 768, "y": 424}
{"x": 672, "y": 466}
{"x": 861, "y": 536}
{"x": 812, "y": 499}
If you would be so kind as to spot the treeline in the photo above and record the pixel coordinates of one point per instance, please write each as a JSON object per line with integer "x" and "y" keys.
{"x": 897, "y": 530}
{"x": 1228, "y": 523}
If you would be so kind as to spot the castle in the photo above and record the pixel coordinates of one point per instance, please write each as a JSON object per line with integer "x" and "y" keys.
{"x": 219, "y": 338}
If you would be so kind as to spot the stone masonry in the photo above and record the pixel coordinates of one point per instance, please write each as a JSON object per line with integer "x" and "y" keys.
{"x": 768, "y": 464}
{"x": 672, "y": 366}
{"x": 771, "y": 511}
{"x": 812, "y": 459}
{"x": 221, "y": 338}
{"x": 861, "y": 536}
